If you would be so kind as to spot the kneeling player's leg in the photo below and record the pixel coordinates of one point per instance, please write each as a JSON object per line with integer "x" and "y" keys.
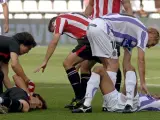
{"x": 73, "y": 76}
{"x": 1, "y": 81}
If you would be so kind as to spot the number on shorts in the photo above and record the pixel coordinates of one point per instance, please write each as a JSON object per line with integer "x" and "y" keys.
{"x": 113, "y": 44}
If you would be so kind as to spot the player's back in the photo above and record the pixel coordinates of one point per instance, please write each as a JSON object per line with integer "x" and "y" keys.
{"x": 128, "y": 31}
{"x": 5, "y": 43}
{"x": 72, "y": 24}
{"x": 124, "y": 26}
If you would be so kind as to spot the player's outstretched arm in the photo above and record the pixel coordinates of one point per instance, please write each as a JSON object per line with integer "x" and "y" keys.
{"x": 141, "y": 70}
{"x": 20, "y": 83}
{"x": 51, "y": 48}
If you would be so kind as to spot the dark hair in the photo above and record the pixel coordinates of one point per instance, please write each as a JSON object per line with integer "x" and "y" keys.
{"x": 44, "y": 104}
{"x": 51, "y": 23}
{"x": 25, "y": 38}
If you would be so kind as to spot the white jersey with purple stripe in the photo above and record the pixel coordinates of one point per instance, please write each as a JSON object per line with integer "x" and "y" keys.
{"x": 128, "y": 31}
{"x": 3, "y": 1}
{"x": 148, "y": 103}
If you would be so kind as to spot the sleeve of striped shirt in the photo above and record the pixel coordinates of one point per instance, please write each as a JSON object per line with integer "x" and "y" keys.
{"x": 142, "y": 40}
{"x": 60, "y": 24}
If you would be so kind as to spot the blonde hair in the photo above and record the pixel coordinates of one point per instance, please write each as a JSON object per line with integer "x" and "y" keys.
{"x": 155, "y": 32}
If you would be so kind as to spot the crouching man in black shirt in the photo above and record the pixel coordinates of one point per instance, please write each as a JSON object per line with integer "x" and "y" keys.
{"x": 10, "y": 49}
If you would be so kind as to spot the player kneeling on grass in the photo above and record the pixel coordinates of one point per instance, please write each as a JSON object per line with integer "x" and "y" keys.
{"x": 19, "y": 99}
{"x": 114, "y": 100}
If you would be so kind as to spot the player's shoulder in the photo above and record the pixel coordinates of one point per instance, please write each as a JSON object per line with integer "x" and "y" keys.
{"x": 5, "y": 39}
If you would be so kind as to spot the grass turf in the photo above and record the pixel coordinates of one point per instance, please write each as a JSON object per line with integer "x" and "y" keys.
{"x": 53, "y": 85}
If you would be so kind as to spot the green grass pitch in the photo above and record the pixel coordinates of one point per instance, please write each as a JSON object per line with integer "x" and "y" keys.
{"x": 53, "y": 85}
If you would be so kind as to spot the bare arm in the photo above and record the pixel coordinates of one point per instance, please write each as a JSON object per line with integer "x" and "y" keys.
{"x": 20, "y": 83}
{"x": 51, "y": 47}
{"x": 141, "y": 65}
{"x": 141, "y": 70}
{"x": 6, "y": 15}
{"x": 89, "y": 8}
{"x": 6, "y": 79}
{"x": 127, "y": 6}
{"x": 17, "y": 68}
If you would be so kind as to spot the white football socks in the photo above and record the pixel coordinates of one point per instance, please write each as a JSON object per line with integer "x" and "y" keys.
{"x": 130, "y": 83}
{"x": 92, "y": 86}
{"x": 113, "y": 77}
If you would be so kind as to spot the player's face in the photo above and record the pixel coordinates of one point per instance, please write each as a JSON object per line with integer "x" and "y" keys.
{"x": 24, "y": 49}
{"x": 52, "y": 27}
{"x": 39, "y": 103}
{"x": 151, "y": 41}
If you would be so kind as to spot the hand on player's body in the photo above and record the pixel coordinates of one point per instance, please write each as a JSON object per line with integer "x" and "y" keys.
{"x": 144, "y": 89}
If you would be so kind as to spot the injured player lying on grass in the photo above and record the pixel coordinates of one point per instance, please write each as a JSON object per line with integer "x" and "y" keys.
{"x": 114, "y": 100}
{"x": 19, "y": 99}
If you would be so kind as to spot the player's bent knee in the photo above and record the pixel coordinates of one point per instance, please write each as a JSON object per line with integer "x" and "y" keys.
{"x": 99, "y": 70}
{"x": 67, "y": 64}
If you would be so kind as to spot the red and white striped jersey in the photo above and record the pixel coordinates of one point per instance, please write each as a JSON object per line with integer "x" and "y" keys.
{"x": 72, "y": 24}
{"x": 103, "y": 7}
{"x": 3, "y": 1}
